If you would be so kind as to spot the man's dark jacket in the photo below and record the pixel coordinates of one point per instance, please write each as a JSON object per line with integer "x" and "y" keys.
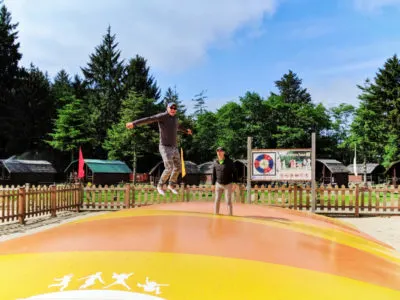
{"x": 224, "y": 173}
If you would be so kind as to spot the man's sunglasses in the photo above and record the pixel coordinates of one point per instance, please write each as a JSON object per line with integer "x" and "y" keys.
{"x": 173, "y": 107}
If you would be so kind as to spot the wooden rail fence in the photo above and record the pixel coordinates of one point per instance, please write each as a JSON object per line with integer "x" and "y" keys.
{"x": 19, "y": 203}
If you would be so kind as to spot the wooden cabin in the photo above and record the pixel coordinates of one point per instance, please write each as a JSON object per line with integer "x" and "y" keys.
{"x": 19, "y": 172}
{"x": 331, "y": 171}
{"x": 100, "y": 172}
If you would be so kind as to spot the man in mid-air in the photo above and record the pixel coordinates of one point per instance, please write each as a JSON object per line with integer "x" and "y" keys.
{"x": 169, "y": 126}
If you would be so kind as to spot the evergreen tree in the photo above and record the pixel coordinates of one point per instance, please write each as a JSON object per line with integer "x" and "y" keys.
{"x": 172, "y": 96}
{"x": 79, "y": 87}
{"x": 71, "y": 128}
{"x": 129, "y": 145}
{"x": 291, "y": 91}
{"x": 33, "y": 110}
{"x": 296, "y": 116}
{"x": 376, "y": 126}
{"x": 62, "y": 87}
{"x": 200, "y": 103}
{"x": 104, "y": 76}
{"x": 9, "y": 76}
{"x": 139, "y": 80}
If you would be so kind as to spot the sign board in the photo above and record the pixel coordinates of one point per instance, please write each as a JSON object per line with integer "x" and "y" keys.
{"x": 281, "y": 165}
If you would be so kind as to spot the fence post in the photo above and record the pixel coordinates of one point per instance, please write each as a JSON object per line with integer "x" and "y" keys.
{"x": 294, "y": 196}
{"x": 242, "y": 194}
{"x": 182, "y": 192}
{"x": 77, "y": 190}
{"x": 21, "y": 205}
{"x": 127, "y": 195}
{"x": 81, "y": 194}
{"x": 53, "y": 200}
{"x": 356, "y": 212}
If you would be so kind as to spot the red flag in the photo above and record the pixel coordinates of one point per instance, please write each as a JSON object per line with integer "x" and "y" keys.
{"x": 81, "y": 171}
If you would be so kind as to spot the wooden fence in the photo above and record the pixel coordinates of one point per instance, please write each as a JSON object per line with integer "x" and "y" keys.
{"x": 20, "y": 203}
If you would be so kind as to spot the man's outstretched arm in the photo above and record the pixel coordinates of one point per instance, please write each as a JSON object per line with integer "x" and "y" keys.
{"x": 146, "y": 120}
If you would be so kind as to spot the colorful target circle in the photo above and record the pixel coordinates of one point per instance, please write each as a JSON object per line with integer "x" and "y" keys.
{"x": 264, "y": 163}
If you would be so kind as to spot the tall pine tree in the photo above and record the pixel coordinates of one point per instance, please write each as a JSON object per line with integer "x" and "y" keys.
{"x": 139, "y": 80}
{"x": 291, "y": 90}
{"x": 71, "y": 128}
{"x": 62, "y": 87}
{"x": 9, "y": 76}
{"x": 296, "y": 116}
{"x": 376, "y": 127}
{"x": 200, "y": 104}
{"x": 104, "y": 75}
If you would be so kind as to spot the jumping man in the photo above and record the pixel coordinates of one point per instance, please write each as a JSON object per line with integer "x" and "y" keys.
{"x": 168, "y": 126}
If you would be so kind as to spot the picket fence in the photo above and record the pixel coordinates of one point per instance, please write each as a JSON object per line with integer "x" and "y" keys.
{"x": 22, "y": 202}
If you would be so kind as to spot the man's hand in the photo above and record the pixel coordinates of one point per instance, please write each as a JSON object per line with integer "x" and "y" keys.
{"x": 129, "y": 125}
{"x": 189, "y": 131}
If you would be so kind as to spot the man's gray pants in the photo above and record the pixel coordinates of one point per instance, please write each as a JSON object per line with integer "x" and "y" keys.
{"x": 219, "y": 189}
{"x": 172, "y": 164}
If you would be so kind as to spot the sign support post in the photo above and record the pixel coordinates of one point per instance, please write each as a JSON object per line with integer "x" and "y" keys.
{"x": 249, "y": 168}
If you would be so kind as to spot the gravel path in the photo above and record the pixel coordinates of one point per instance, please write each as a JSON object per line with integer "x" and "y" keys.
{"x": 385, "y": 229}
{"x": 14, "y": 230}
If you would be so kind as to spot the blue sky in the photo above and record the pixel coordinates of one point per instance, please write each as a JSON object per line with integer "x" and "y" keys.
{"x": 226, "y": 47}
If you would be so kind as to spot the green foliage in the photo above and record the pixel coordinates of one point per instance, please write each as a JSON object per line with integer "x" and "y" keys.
{"x": 71, "y": 127}
{"x": 122, "y": 143}
{"x": 204, "y": 138}
{"x": 296, "y": 117}
{"x": 104, "y": 76}
{"x": 290, "y": 89}
{"x": 259, "y": 122}
{"x": 230, "y": 124}
{"x": 9, "y": 78}
{"x": 138, "y": 79}
{"x": 62, "y": 87}
{"x": 376, "y": 124}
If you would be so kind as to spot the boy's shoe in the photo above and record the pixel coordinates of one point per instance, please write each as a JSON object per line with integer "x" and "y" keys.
{"x": 172, "y": 189}
{"x": 160, "y": 191}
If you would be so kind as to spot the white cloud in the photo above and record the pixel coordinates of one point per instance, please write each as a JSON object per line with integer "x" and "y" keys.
{"x": 335, "y": 91}
{"x": 173, "y": 35}
{"x": 374, "y": 5}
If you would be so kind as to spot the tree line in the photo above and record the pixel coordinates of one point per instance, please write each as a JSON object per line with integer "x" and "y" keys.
{"x": 55, "y": 117}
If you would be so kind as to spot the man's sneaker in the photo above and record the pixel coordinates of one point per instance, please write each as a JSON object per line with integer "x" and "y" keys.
{"x": 160, "y": 191}
{"x": 172, "y": 189}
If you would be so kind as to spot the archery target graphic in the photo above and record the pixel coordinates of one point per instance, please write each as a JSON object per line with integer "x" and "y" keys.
{"x": 264, "y": 164}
